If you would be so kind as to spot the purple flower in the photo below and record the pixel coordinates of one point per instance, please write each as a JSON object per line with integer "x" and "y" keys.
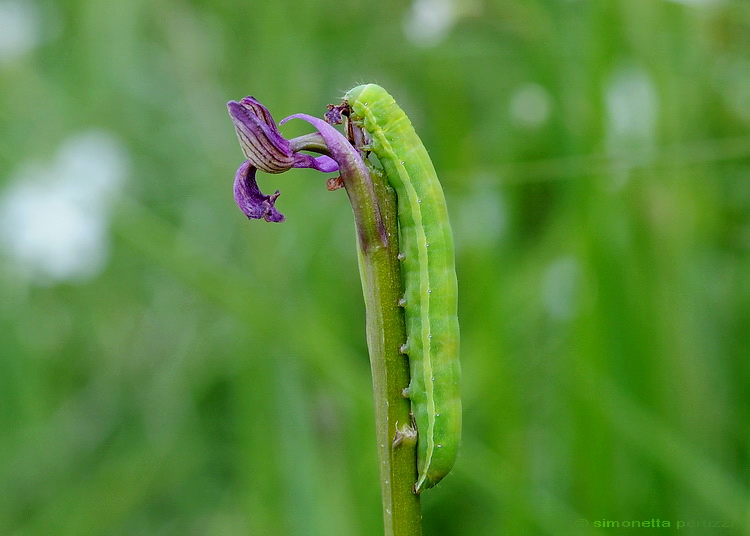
{"x": 265, "y": 149}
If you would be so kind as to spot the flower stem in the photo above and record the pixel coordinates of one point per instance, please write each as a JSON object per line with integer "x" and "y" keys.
{"x": 381, "y": 283}
{"x": 374, "y": 205}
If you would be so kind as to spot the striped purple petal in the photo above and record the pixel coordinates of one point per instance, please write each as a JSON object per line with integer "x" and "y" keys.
{"x": 259, "y": 137}
{"x": 345, "y": 155}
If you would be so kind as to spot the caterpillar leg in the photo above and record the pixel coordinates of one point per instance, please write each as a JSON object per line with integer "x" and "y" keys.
{"x": 405, "y": 434}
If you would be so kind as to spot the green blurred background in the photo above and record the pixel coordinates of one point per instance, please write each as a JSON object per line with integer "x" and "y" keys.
{"x": 169, "y": 368}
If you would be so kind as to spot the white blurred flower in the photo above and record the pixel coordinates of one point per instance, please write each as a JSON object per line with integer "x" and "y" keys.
{"x": 20, "y": 28}
{"x": 429, "y": 21}
{"x": 54, "y": 218}
{"x": 530, "y": 105}
{"x": 561, "y": 288}
{"x": 632, "y": 107}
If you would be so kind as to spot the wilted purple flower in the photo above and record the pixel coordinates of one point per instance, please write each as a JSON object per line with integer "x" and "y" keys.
{"x": 265, "y": 149}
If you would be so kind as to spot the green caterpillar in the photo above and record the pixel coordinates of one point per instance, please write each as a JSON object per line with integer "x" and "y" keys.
{"x": 431, "y": 289}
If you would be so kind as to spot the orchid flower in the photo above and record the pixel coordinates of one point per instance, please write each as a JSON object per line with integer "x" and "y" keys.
{"x": 266, "y": 149}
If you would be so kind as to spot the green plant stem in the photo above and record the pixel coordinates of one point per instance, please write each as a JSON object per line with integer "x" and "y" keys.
{"x": 374, "y": 206}
{"x": 386, "y": 332}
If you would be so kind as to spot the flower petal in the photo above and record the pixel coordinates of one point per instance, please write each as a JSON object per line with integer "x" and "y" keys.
{"x": 250, "y": 199}
{"x": 326, "y": 164}
{"x": 341, "y": 150}
{"x": 260, "y": 139}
